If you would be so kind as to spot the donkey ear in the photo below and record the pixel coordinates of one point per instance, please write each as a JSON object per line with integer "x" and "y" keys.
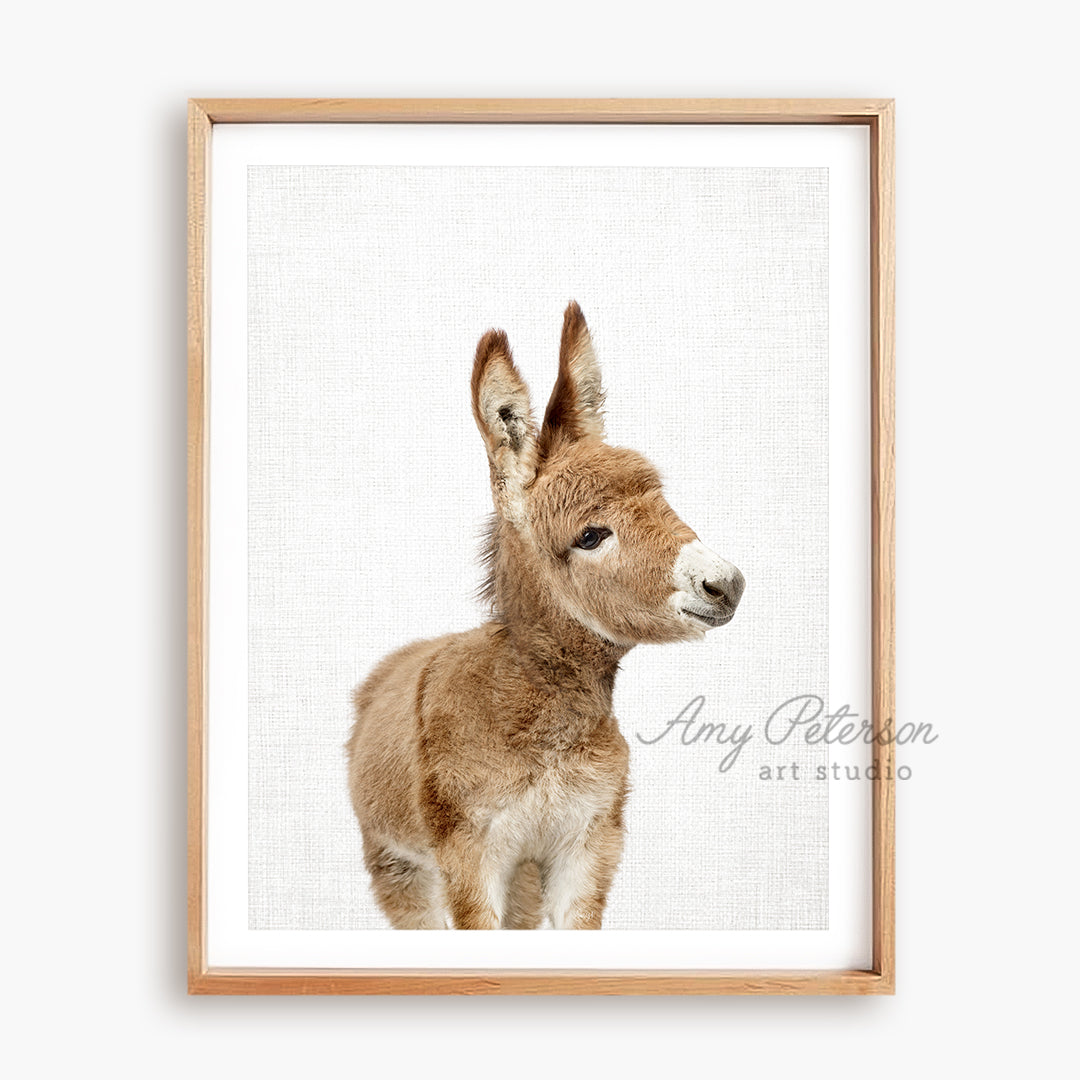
{"x": 574, "y": 410}
{"x": 500, "y": 401}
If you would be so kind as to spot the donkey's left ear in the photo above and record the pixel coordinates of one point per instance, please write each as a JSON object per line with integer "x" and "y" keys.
{"x": 575, "y": 408}
{"x": 500, "y": 401}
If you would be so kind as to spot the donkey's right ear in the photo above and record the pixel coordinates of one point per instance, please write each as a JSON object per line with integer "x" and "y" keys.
{"x": 500, "y": 401}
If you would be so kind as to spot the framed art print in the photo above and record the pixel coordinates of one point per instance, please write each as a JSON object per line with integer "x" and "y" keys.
{"x": 541, "y": 546}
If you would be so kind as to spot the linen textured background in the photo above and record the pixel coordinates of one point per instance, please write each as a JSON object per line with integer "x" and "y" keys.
{"x": 706, "y": 291}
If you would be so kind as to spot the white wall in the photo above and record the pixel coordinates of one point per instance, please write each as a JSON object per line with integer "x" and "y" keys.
{"x": 94, "y": 491}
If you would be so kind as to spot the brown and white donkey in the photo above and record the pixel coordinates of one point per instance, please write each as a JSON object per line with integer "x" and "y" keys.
{"x": 486, "y": 769}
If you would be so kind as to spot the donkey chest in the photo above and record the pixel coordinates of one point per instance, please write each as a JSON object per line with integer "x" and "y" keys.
{"x": 542, "y": 814}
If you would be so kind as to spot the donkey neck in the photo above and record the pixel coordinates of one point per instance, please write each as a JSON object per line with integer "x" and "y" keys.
{"x": 555, "y": 651}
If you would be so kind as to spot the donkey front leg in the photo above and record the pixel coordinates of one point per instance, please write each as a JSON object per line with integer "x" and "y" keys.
{"x": 579, "y": 876}
{"x": 476, "y": 881}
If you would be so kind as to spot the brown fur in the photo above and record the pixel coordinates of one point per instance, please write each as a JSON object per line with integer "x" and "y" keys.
{"x": 486, "y": 769}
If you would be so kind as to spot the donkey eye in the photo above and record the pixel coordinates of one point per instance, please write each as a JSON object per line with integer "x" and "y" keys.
{"x": 591, "y": 537}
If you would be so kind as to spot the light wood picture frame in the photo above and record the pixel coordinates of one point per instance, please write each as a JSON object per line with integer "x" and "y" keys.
{"x": 877, "y": 116}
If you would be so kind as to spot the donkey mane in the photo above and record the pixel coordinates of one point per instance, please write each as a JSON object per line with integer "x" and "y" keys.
{"x": 488, "y": 558}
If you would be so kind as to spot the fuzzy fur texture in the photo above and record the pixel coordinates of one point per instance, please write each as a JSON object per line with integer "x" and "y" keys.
{"x": 486, "y": 769}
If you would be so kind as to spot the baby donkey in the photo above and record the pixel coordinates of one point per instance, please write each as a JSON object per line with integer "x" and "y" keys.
{"x": 486, "y": 769}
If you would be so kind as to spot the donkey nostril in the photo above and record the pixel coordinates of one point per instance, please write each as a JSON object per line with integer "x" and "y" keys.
{"x": 725, "y": 590}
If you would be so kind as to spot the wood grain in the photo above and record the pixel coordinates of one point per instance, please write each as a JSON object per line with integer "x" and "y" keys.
{"x": 882, "y": 529}
{"x": 541, "y": 110}
{"x": 634, "y": 983}
{"x": 197, "y": 538}
{"x": 878, "y": 116}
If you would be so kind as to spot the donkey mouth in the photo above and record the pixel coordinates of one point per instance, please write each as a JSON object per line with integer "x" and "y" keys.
{"x": 709, "y": 620}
